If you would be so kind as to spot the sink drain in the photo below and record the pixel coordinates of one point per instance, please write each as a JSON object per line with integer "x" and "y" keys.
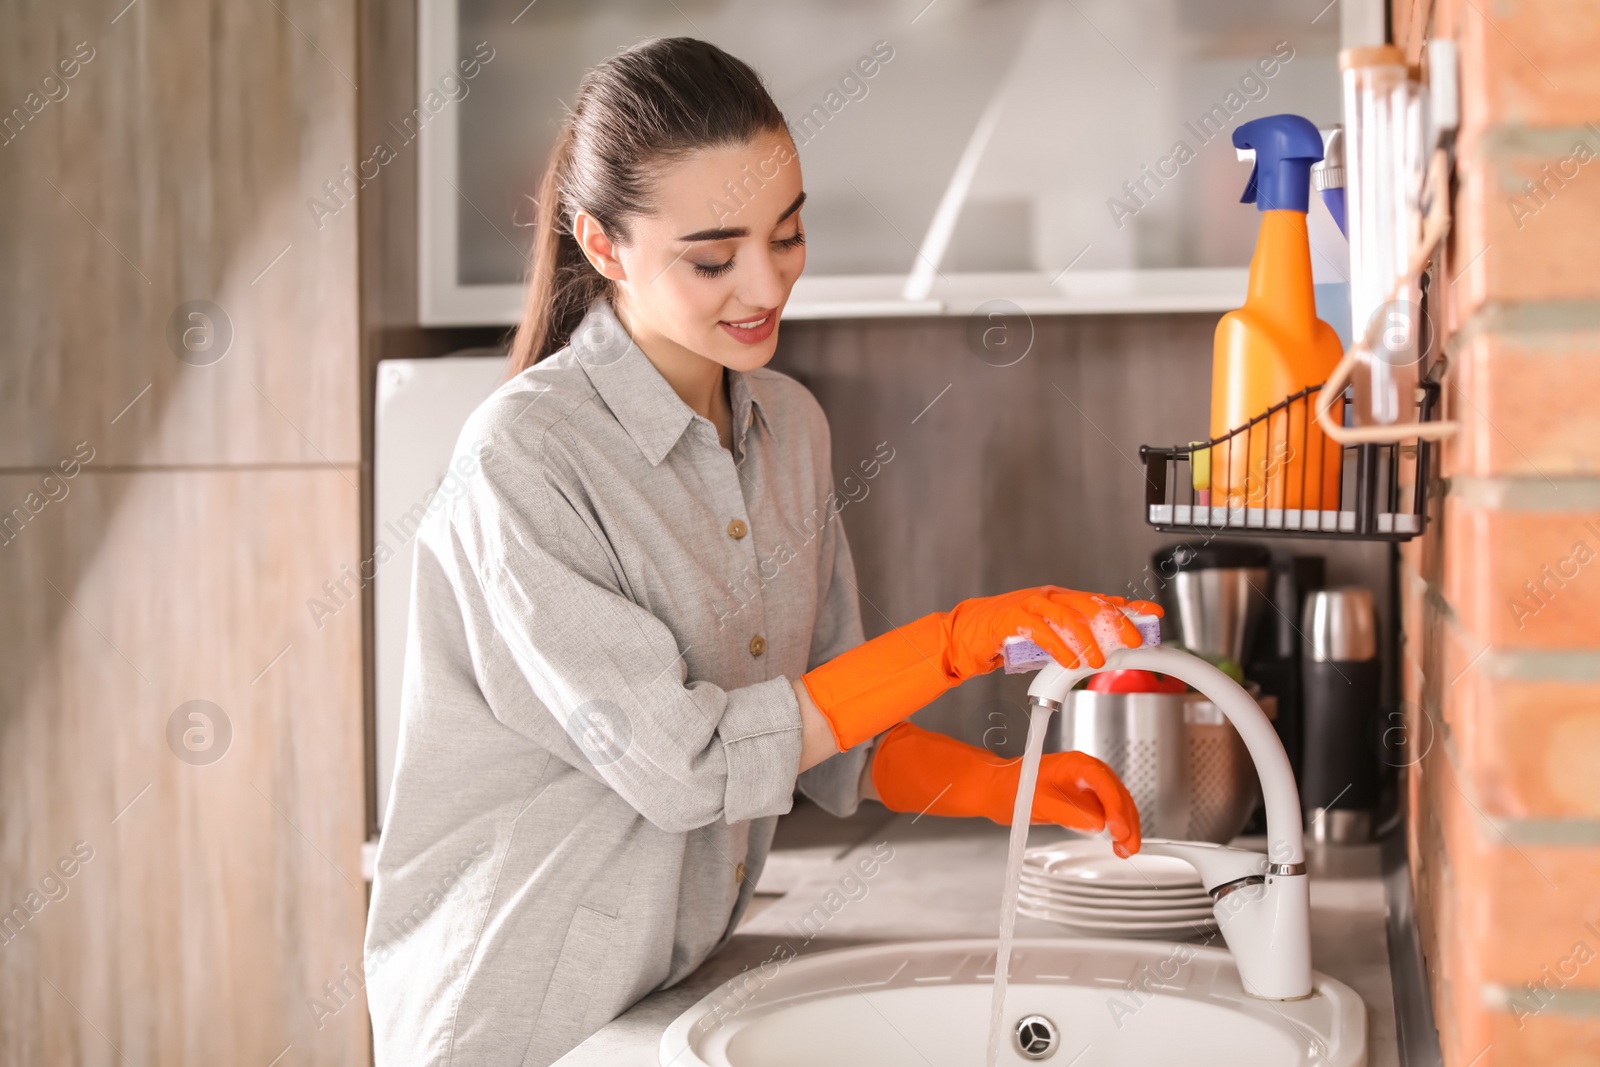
{"x": 1035, "y": 1036}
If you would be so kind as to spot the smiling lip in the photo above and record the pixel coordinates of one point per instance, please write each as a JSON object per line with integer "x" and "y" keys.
{"x": 753, "y": 330}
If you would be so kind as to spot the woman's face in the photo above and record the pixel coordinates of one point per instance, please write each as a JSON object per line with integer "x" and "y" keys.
{"x": 711, "y": 267}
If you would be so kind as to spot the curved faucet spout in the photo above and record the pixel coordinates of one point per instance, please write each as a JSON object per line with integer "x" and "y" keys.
{"x": 1285, "y": 833}
{"x": 1262, "y": 903}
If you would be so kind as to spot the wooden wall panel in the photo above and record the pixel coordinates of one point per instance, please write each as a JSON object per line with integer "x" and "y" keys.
{"x": 219, "y": 897}
{"x": 176, "y": 165}
{"x": 208, "y": 904}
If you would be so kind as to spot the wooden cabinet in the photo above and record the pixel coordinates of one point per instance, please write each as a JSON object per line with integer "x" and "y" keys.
{"x": 180, "y": 438}
{"x": 161, "y": 203}
{"x": 223, "y": 882}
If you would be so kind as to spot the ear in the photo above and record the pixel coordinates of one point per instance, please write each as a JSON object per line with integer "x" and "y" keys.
{"x": 599, "y": 249}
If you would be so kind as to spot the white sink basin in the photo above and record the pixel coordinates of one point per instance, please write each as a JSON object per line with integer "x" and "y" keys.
{"x": 927, "y": 1004}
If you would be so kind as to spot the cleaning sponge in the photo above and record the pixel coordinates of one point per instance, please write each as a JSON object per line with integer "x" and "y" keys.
{"x": 1021, "y": 655}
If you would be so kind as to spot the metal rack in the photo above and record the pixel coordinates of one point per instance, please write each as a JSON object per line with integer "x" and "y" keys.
{"x": 1279, "y": 475}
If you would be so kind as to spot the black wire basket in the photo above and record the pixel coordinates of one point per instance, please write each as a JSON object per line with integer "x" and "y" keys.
{"x": 1280, "y": 476}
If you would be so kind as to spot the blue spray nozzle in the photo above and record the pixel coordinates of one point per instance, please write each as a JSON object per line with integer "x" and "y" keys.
{"x": 1285, "y": 147}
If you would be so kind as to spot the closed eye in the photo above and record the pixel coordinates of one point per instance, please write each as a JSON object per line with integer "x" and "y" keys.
{"x": 716, "y": 270}
{"x": 713, "y": 270}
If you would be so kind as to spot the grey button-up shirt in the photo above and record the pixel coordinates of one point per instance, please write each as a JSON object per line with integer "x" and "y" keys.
{"x": 598, "y": 730}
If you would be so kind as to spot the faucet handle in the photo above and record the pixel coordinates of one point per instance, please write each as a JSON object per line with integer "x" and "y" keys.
{"x": 1218, "y": 864}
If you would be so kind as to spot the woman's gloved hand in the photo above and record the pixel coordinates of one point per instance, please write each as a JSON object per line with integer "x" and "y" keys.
{"x": 866, "y": 690}
{"x": 980, "y": 626}
{"x": 917, "y": 770}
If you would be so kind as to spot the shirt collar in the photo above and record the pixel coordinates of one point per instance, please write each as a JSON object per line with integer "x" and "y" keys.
{"x": 648, "y": 408}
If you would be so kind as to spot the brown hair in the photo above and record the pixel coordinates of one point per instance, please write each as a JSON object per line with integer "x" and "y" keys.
{"x": 653, "y": 103}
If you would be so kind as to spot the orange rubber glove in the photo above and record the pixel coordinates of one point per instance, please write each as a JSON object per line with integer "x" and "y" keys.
{"x": 864, "y": 691}
{"x": 917, "y": 770}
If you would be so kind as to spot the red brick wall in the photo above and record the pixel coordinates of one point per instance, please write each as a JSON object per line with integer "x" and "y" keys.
{"x": 1502, "y": 597}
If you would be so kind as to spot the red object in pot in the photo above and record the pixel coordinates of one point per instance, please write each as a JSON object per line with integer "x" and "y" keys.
{"x": 1135, "y": 682}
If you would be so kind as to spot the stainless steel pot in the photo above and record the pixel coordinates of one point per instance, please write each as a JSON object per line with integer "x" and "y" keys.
{"x": 1181, "y": 759}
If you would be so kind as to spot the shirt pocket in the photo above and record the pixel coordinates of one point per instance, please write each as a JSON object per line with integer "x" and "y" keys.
{"x": 567, "y": 1015}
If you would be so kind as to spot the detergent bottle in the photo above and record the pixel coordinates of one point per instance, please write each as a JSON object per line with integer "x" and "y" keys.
{"x": 1275, "y": 345}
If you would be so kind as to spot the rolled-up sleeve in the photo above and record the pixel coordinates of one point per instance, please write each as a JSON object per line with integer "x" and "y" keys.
{"x": 610, "y": 674}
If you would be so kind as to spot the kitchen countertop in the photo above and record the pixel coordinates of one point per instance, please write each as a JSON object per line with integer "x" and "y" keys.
{"x": 944, "y": 881}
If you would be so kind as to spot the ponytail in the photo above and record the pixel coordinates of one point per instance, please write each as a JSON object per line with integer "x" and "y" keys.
{"x": 647, "y": 106}
{"x": 561, "y": 283}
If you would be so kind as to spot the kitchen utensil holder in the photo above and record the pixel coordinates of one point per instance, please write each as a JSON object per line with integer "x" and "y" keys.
{"x": 1373, "y": 501}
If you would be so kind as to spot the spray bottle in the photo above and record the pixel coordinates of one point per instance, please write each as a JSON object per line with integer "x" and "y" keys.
{"x": 1275, "y": 345}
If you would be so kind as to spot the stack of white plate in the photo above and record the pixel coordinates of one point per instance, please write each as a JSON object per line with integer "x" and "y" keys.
{"x": 1083, "y": 885}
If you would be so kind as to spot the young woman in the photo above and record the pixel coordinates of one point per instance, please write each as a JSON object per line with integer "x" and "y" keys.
{"x": 636, "y": 633}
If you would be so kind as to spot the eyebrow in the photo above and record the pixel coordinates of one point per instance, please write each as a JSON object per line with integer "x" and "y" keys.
{"x": 730, "y": 232}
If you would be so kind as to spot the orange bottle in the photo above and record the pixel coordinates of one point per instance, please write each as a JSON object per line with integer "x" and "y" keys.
{"x": 1275, "y": 345}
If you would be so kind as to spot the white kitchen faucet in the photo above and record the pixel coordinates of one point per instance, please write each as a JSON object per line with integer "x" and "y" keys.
{"x": 1262, "y": 902}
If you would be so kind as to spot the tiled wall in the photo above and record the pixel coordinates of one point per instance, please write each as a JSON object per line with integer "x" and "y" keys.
{"x": 1502, "y": 598}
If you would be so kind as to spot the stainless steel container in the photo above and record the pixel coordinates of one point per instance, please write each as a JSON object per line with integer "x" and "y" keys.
{"x": 1181, "y": 759}
{"x": 1339, "y": 625}
{"x": 1214, "y": 595}
{"x": 1341, "y": 775}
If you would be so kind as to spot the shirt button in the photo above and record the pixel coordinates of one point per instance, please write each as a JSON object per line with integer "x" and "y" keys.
{"x": 758, "y": 645}
{"x": 738, "y": 873}
{"x": 737, "y": 529}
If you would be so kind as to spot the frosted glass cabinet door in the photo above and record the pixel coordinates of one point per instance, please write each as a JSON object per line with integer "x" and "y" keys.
{"x": 984, "y": 145}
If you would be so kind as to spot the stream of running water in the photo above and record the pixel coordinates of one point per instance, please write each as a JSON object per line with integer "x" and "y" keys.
{"x": 1021, "y": 816}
